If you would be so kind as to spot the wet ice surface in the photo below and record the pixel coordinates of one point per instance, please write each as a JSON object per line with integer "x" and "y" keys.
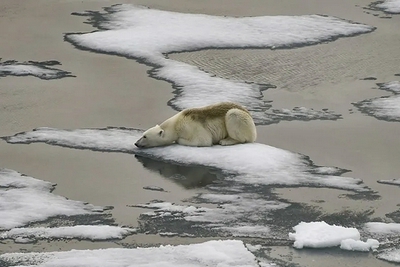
{"x": 246, "y": 163}
{"x": 212, "y": 253}
{"x": 322, "y": 235}
{"x": 239, "y": 180}
{"x": 380, "y": 228}
{"x": 388, "y": 6}
{"x": 149, "y": 35}
{"x": 391, "y": 255}
{"x": 26, "y": 201}
{"x": 40, "y": 70}
{"x": 384, "y": 108}
{"x": 90, "y": 232}
{"x": 391, "y": 182}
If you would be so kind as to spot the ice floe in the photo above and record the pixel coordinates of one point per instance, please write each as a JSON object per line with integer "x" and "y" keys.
{"x": 148, "y": 35}
{"x": 321, "y": 235}
{"x": 386, "y": 107}
{"x": 24, "y": 200}
{"x": 90, "y": 232}
{"x": 212, "y": 253}
{"x": 248, "y": 163}
{"x": 391, "y": 182}
{"x": 38, "y": 69}
{"x": 389, "y": 6}
{"x": 390, "y": 255}
{"x": 358, "y": 245}
{"x": 380, "y": 228}
{"x": 239, "y": 185}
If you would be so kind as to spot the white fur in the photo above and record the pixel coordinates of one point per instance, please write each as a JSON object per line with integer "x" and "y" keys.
{"x": 232, "y": 127}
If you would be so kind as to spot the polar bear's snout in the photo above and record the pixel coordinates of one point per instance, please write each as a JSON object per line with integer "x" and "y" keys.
{"x": 137, "y": 144}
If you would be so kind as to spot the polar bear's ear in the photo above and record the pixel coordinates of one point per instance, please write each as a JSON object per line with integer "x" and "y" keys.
{"x": 161, "y": 133}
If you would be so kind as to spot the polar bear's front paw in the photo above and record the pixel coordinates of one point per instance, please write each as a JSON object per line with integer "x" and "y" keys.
{"x": 228, "y": 142}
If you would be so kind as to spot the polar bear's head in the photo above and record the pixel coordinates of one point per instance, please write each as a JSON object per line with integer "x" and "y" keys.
{"x": 154, "y": 136}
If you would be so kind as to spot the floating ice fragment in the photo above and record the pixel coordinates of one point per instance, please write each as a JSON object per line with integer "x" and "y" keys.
{"x": 24, "y": 199}
{"x": 321, "y": 235}
{"x": 358, "y": 245}
{"x": 228, "y": 253}
{"x": 91, "y": 232}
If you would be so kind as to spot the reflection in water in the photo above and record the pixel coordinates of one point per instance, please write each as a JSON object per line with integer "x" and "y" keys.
{"x": 184, "y": 175}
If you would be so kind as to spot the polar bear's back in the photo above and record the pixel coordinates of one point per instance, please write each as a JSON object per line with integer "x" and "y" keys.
{"x": 212, "y": 112}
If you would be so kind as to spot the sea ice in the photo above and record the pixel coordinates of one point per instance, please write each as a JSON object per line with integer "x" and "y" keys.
{"x": 393, "y": 86}
{"x": 390, "y": 6}
{"x": 37, "y": 69}
{"x": 358, "y": 245}
{"x": 391, "y": 255}
{"x": 149, "y": 34}
{"x": 227, "y": 253}
{"x": 380, "y": 228}
{"x": 24, "y": 199}
{"x": 391, "y": 182}
{"x": 244, "y": 173}
{"x": 91, "y": 232}
{"x": 321, "y": 235}
{"x": 248, "y": 163}
{"x": 386, "y": 107}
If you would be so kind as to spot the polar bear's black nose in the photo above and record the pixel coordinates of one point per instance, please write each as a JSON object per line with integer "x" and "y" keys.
{"x": 136, "y": 144}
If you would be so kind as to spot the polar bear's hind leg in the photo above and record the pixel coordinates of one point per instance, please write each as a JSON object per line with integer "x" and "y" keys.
{"x": 240, "y": 127}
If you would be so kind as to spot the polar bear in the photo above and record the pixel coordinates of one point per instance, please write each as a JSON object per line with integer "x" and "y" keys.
{"x": 224, "y": 123}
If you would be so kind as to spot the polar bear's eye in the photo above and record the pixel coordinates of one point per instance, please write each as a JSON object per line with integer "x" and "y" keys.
{"x": 144, "y": 136}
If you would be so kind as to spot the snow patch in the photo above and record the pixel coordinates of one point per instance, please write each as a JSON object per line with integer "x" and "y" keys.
{"x": 24, "y": 199}
{"x": 382, "y": 228}
{"x": 386, "y": 107}
{"x": 148, "y": 34}
{"x": 91, "y": 232}
{"x": 38, "y": 69}
{"x": 212, "y": 253}
{"x": 358, "y": 245}
{"x": 391, "y": 182}
{"x": 246, "y": 163}
{"x": 321, "y": 235}
{"x": 390, "y": 6}
{"x": 390, "y": 255}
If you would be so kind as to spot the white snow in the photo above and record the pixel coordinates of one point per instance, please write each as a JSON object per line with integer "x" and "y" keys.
{"x": 148, "y": 34}
{"x": 26, "y": 69}
{"x": 212, "y": 253}
{"x": 107, "y": 139}
{"x": 386, "y": 107}
{"x": 391, "y": 255}
{"x": 321, "y": 235}
{"x": 91, "y": 232}
{"x": 24, "y": 199}
{"x": 382, "y": 228}
{"x": 390, "y": 6}
{"x": 358, "y": 245}
{"x": 246, "y": 163}
{"x": 391, "y": 182}
{"x": 393, "y": 86}
{"x": 23, "y": 69}
{"x": 382, "y": 108}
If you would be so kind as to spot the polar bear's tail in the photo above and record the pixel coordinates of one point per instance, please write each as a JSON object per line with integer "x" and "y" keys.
{"x": 240, "y": 126}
